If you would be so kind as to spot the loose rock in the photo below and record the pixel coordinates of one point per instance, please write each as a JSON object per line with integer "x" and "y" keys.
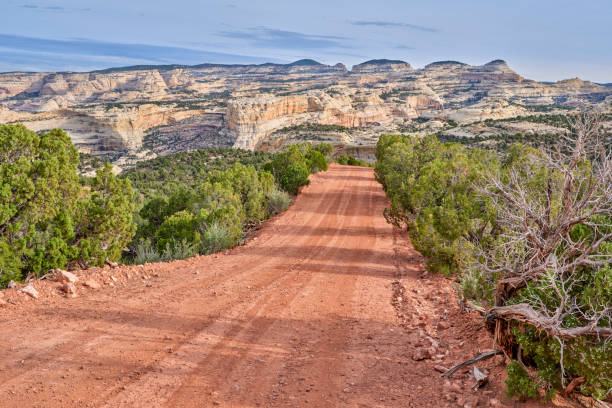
{"x": 70, "y": 289}
{"x": 421, "y": 354}
{"x": 30, "y": 291}
{"x": 112, "y": 264}
{"x": 91, "y": 284}
{"x": 443, "y": 325}
{"x": 65, "y": 276}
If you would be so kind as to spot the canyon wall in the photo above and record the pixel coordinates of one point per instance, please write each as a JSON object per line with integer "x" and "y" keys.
{"x": 159, "y": 110}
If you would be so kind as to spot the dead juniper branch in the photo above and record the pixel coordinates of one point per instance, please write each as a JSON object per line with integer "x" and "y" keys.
{"x": 449, "y": 373}
{"x": 554, "y": 211}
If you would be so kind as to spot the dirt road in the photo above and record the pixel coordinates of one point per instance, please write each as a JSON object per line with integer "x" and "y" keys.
{"x": 309, "y": 313}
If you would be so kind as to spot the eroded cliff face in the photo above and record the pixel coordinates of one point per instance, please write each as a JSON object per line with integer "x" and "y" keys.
{"x": 254, "y": 119}
{"x": 160, "y": 110}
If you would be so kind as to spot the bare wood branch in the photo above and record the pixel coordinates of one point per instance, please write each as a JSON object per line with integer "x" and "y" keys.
{"x": 449, "y": 373}
{"x": 527, "y": 314}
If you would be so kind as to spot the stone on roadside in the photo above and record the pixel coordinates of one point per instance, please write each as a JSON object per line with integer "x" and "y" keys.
{"x": 494, "y": 402}
{"x": 421, "y": 354}
{"x": 443, "y": 325}
{"x": 111, "y": 264}
{"x": 11, "y": 285}
{"x": 30, "y": 291}
{"x": 65, "y": 276}
{"x": 70, "y": 289}
{"x": 91, "y": 283}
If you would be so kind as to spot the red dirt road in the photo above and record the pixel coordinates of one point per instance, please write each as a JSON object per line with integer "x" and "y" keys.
{"x": 324, "y": 308}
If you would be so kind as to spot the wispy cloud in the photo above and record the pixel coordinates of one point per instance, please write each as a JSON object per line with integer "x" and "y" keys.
{"x": 392, "y": 24}
{"x": 52, "y": 8}
{"x": 18, "y": 52}
{"x": 265, "y": 37}
{"x": 404, "y": 47}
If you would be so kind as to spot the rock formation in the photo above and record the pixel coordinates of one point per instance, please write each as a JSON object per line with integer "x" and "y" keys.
{"x": 123, "y": 112}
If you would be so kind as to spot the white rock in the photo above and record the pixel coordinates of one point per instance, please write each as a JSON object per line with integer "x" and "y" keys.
{"x": 65, "y": 276}
{"x": 30, "y": 290}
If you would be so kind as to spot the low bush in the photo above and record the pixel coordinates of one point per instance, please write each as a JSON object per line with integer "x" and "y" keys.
{"x": 528, "y": 232}
{"x": 48, "y": 216}
{"x": 290, "y": 169}
{"x": 178, "y": 250}
{"x": 348, "y": 160}
{"x": 213, "y": 214}
{"x": 216, "y": 238}
{"x": 278, "y": 201}
{"x": 146, "y": 253}
{"x": 519, "y": 383}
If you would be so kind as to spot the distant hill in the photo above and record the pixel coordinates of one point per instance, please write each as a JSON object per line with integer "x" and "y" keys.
{"x": 304, "y": 63}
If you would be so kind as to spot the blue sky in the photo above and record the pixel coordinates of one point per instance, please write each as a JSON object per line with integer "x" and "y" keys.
{"x": 540, "y": 39}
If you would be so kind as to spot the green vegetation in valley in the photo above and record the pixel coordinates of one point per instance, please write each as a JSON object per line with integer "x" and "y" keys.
{"x": 89, "y": 162}
{"x": 314, "y": 127}
{"x": 349, "y": 160}
{"x": 165, "y": 174}
{"x": 557, "y": 120}
{"x": 397, "y": 94}
{"x": 543, "y": 108}
{"x": 502, "y": 142}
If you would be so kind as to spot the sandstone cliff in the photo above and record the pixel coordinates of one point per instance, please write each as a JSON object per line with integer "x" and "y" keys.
{"x": 128, "y": 111}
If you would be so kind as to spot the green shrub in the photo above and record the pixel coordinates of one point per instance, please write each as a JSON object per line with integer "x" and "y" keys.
{"x": 47, "y": 218}
{"x": 278, "y": 201}
{"x": 519, "y": 383}
{"x": 316, "y": 161}
{"x": 213, "y": 212}
{"x": 216, "y": 238}
{"x": 326, "y": 149}
{"x": 179, "y": 250}
{"x": 228, "y": 218}
{"x": 520, "y": 229}
{"x": 290, "y": 169}
{"x": 146, "y": 253}
{"x": 348, "y": 160}
{"x": 179, "y": 227}
{"x": 104, "y": 223}
{"x": 433, "y": 193}
{"x": 293, "y": 178}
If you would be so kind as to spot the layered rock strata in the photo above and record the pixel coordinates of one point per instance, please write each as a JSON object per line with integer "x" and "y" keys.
{"x": 165, "y": 109}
